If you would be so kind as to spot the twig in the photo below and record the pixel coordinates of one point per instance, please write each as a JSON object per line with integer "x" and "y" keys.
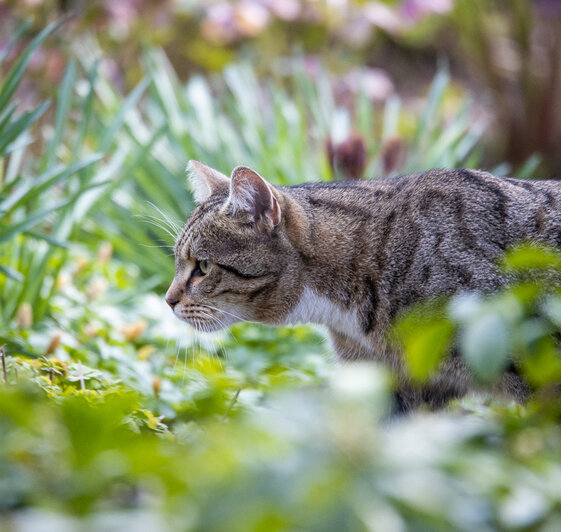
{"x": 3, "y": 357}
{"x": 232, "y": 403}
{"x": 81, "y": 375}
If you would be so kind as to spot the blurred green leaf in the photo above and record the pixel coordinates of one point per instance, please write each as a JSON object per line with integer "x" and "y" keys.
{"x": 532, "y": 257}
{"x": 425, "y": 335}
{"x": 485, "y": 346}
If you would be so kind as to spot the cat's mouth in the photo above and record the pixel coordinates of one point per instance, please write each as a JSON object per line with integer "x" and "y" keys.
{"x": 203, "y": 318}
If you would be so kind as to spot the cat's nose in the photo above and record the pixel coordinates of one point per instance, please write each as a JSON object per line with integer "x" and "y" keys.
{"x": 171, "y": 301}
{"x": 172, "y": 298}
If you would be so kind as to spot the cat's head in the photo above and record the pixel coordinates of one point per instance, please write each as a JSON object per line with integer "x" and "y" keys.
{"x": 234, "y": 259}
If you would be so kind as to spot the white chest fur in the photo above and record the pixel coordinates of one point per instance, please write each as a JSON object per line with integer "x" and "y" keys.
{"x": 315, "y": 308}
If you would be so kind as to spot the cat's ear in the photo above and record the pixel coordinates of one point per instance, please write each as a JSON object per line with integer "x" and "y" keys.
{"x": 249, "y": 192}
{"x": 206, "y": 181}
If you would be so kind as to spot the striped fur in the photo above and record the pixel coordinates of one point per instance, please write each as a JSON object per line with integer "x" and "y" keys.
{"x": 353, "y": 255}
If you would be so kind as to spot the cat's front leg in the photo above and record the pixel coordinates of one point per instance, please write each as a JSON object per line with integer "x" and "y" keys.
{"x": 347, "y": 349}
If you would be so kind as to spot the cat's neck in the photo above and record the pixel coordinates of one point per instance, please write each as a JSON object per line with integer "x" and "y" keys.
{"x": 328, "y": 254}
{"x": 315, "y": 307}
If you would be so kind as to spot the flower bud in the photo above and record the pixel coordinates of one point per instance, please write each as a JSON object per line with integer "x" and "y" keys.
{"x": 347, "y": 158}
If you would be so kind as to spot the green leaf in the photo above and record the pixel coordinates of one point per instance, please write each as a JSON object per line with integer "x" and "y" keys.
{"x": 35, "y": 186}
{"x": 13, "y": 79}
{"x": 543, "y": 365}
{"x": 485, "y": 345}
{"x": 32, "y": 220}
{"x": 47, "y": 238}
{"x": 424, "y": 334}
{"x": 64, "y": 101}
{"x": 17, "y": 127}
{"x": 11, "y": 273}
{"x": 532, "y": 257}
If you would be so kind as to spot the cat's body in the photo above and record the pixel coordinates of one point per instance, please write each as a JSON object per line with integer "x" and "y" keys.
{"x": 353, "y": 255}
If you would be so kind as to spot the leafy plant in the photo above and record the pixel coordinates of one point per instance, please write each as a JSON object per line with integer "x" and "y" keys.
{"x": 44, "y": 200}
{"x": 520, "y": 324}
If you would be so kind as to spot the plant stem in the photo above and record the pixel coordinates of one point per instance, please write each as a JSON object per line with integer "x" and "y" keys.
{"x": 81, "y": 375}
{"x": 232, "y": 403}
{"x": 3, "y": 357}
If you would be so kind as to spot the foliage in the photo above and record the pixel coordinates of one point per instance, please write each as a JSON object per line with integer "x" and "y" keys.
{"x": 114, "y": 414}
{"x": 312, "y": 460}
{"x": 43, "y": 200}
{"x": 520, "y": 324}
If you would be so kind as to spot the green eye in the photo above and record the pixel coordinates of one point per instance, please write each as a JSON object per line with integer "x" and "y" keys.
{"x": 204, "y": 266}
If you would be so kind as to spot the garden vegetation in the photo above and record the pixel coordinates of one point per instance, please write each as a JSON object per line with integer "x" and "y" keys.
{"x": 115, "y": 414}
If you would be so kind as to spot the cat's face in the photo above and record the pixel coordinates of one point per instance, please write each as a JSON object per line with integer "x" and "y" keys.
{"x": 233, "y": 259}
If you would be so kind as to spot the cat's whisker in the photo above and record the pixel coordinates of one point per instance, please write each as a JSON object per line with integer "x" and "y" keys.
{"x": 227, "y": 327}
{"x": 198, "y": 344}
{"x": 176, "y": 356}
{"x": 164, "y": 246}
{"x": 205, "y": 328}
{"x": 153, "y": 222}
{"x": 161, "y": 223}
{"x": 184, "y": 369}
{"x": 169, "y": 246}
{"x": 214, "y": 318}
{"x": 225, "y": 312}
{"x": 173, "y": 225}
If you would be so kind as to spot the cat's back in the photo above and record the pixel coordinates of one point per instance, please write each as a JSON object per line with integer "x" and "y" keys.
{"x": 468, "y": 199}
{"x": 436, "y": 232}
{"x": 506, "y": 210}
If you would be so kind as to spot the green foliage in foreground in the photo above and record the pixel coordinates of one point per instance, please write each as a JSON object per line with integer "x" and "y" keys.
{"x": 317, "y": 459}
{"x": 519, "y": 324}
{"x": 104, "y": 426}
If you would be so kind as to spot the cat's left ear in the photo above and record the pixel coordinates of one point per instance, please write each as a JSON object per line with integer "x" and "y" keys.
{"x": 205, "y": 181}
{"x": 250, "y": 193}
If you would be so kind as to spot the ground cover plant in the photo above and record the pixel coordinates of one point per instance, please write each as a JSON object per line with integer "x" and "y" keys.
{"x": 114, "y": 414}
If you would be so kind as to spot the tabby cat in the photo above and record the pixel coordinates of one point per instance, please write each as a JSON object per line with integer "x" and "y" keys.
{"x": 352, "y": 255}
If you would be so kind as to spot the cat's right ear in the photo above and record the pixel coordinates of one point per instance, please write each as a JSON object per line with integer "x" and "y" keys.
{"x": 206, "y": 181}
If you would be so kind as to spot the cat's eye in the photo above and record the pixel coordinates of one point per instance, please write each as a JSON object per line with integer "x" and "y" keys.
{"x": 204, "y": 266}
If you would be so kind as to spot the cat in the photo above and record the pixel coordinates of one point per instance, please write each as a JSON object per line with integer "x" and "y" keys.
{"x": 353, "y": 255}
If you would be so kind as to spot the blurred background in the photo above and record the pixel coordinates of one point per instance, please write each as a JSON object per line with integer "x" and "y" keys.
{"x": 504, "y": 54}
{"x": 115, "y": 414}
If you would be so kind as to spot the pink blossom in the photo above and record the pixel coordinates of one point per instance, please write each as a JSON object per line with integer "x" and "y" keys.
{"x": 219, "y": 24}
{"x": 416, "y": 9}
{"x": 287, "y": 10}
{"x": 252, "y": 17}
{"x": 122, "y": 15}
{"x": 382, "y": 16}
{"x": 373, "y": 82}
